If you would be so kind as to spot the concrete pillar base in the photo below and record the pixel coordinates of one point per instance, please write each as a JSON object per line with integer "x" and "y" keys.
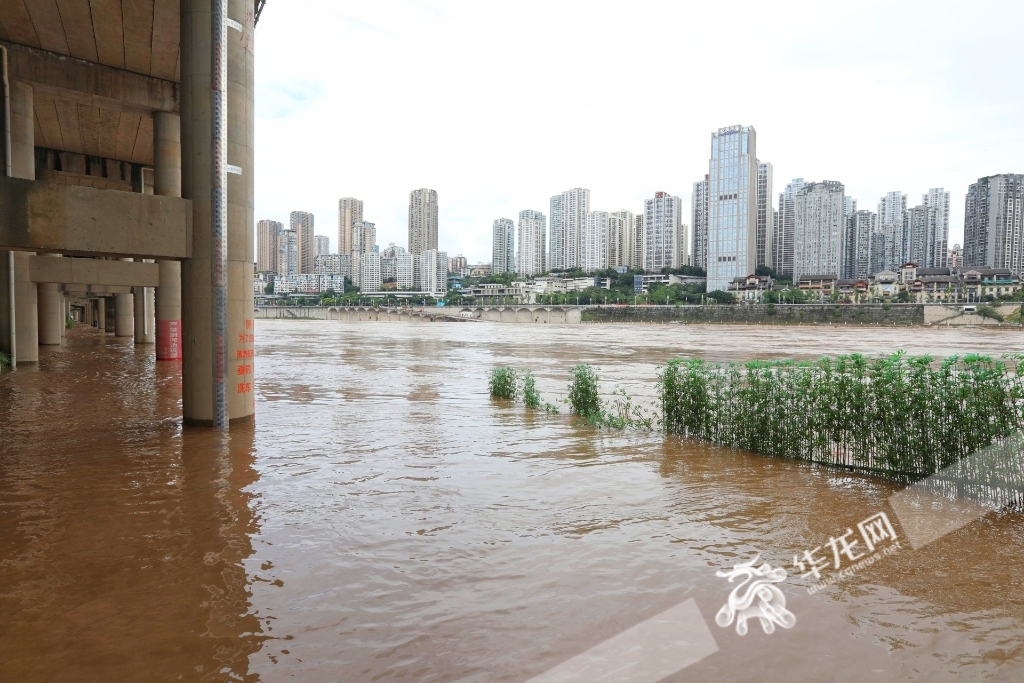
{"x": 168, "y": 312}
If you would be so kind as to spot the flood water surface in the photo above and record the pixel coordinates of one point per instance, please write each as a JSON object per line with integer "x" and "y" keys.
{"x": 382, "y": 519}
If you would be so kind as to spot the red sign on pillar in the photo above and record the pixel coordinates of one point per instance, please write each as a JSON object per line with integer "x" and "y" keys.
{"x": 168, "y": 340}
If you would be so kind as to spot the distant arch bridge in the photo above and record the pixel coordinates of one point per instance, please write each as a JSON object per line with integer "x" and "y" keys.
{"x": 557, "y": 315}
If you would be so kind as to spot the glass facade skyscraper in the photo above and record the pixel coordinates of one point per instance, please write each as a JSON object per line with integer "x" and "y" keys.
{"x": 732, "y": 206}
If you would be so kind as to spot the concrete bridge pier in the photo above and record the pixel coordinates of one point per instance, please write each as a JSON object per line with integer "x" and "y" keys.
{"x": 124, "y": 315}
{"x": 167, "y": 182}
{"x": 200, "y": 368}
{"x": 23, "y": 165}
{"x": 101, "y": 315}
{"x": 50, "y": 307}
{"x": 51, "y": 314}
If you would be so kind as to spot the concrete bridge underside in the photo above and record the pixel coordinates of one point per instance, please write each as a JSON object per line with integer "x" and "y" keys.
{"x": 107, "y": 184}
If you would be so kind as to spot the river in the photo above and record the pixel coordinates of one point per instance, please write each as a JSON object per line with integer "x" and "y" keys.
{"x": 383, "y": 519}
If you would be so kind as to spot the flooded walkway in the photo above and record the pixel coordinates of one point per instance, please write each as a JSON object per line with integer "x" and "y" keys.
{"x": 384, "y": 520}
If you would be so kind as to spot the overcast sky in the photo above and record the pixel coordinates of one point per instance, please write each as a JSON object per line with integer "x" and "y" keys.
{"x": 499, "y": 105}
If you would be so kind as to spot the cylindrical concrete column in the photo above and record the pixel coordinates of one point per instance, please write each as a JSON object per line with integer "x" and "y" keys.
{"x": 51, "y": 312}
{"x": 167, "y": 182}
{"x": 145, "y": 318}
{"x": 124, "y": 315}
{"x": 101, "y": 315}
{"x": 65, "y": 309}
{"x": 196, "y": 276}
{"x": 23, "y": 165}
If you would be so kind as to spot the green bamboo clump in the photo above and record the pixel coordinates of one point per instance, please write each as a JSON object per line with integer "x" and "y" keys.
{"x": 508, "y": 383}
{"x": 585, "y": 400}
{"x": 5, "y": 360}
{"x": 531, "y": 397}
{"x": 902, "y": 416}
{"x": 504, "y": 383}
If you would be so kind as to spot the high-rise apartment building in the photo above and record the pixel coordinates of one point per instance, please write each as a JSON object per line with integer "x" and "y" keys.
{"x": 765, "y": 215}
{"x": 422, "y": 220}
{"x": 662, "y": 222}
{"x": 615, "y": 254}
{"x": 956, "y": 256}
{"x": 628, "y": 253}
{"x": 288, "y": 252}
{"x": 699, "y": 221}
{"x": 404, "y": 271}
{"x": 993, "y": 234}
{"x": 568, "y": 216}
{"x": 938, "y": 240}
{"x": 682, "y": 250}
{"x": 503, "y": 246}
{"x": 267, "y": 234}
{"x": 639, "y": 235}
{"x": 350, "y": 212}
{"x": 892, "y": 224}
{"x": 532, "y": 243}
{"x": 785, "y": 227}
{"x": 920, "y": 225}
{"x": 556, "y": 245}
{"x": 321, "y": 245}
{"x": 370, "y": 279}
{"x": 732, "y": 206}
{"x": 849, "y": 207}
{"x": 860, "y": 230}
{"x": 333, "y": 264}
{"x": 593, "y": 253}
{"x": 392, "y": 250}
{"x": 302, "y": 223}
{"x": 459, "y": 263}
{"x": 432, "y": 272}
{"x": 364, "y": 237}
{"x": 819, "y": 237}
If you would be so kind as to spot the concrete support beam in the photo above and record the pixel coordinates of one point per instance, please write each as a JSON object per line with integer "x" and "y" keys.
{"x": 94, "y": 290}
{"x": 101, "y": 315}
{"x": 87, "y": 271}
{"x": 88, "y": 83}
{"x": 167, "y": 183}
{"x": 83, "y": 221}
{"x": 196, "y": 122}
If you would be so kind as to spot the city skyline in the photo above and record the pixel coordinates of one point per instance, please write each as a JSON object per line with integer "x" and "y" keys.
{"x": 484, "y": 160}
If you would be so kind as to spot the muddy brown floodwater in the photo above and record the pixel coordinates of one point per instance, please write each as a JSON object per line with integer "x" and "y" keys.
{"x": 384, "y": 520}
